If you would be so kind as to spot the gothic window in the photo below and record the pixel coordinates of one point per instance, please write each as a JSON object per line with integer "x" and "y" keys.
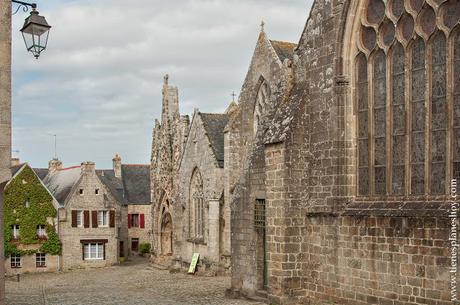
{"x": 403, "y": 104}
{"x": 196, "y": 211}
{"x": 261, "y": 104}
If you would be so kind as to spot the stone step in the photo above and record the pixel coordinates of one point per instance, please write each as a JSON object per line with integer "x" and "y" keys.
{"x": 159, "y": 267}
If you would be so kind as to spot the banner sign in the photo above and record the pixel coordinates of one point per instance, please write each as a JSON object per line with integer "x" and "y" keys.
{"x": 193, "y": 263}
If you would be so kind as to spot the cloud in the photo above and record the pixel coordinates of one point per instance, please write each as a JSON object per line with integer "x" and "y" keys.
{"x": 98, "y": 85}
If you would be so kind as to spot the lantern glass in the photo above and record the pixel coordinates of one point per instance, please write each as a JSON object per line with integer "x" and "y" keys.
{"x": 35, "y": 33}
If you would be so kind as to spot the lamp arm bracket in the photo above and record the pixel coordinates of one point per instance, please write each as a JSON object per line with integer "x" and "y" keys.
{"x": 24, "y": 5}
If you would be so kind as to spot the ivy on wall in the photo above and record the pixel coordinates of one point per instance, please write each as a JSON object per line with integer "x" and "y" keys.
{"x": 28, "y": 204}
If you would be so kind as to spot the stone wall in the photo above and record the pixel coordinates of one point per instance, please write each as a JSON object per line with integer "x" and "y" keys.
{"x": 71, "y": 237}
{"x": 28, "y": 265}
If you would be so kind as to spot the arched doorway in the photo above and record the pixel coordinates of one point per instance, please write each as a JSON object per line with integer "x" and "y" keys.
{"x": 166, "y": 234}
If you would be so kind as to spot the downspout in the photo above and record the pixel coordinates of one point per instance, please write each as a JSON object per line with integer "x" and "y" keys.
{"x": 59, "y": 234}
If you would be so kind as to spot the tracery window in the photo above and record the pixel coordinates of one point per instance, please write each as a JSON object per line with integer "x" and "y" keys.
{"x": 261, "y": 103}
{"x": 197, "y": 208}
{"x": 408, "y": 137}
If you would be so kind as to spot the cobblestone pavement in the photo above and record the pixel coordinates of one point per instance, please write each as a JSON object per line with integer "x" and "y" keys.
{"x": 135, "y": 283}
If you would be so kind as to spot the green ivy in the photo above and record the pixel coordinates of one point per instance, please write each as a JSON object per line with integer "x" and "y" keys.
{"x": 26, "y": 187}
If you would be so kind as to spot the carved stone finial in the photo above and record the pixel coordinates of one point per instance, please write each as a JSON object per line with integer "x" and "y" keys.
{"x": 166, "y": 79}
{"x": 262, "y": 26}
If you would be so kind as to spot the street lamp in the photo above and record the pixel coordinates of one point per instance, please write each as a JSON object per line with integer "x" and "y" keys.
{"x": 35, "y": 30}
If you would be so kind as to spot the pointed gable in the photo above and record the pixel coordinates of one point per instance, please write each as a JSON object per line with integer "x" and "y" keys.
{"x": 214, "y": 125}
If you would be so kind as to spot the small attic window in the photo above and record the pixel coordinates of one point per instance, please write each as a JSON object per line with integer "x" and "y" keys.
{"x": 81, "y": 191}
{"x": 96, "y": 191}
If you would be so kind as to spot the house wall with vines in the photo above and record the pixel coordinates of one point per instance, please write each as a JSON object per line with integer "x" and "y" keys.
{"x": 28, "y": 204}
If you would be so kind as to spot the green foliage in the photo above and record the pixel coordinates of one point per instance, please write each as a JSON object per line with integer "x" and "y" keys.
{"x": 26, "y": 187}
{"x": 144, "y": 248}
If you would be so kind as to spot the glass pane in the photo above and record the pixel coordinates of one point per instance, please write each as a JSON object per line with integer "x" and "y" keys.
{"x": 438, "y": 178}
{"x": 398, "y": 179}
{"x": 418, "y": 179}
{"x": 375, "y": 11}
{"x": 380, "y": 186}
{"x": 364, "y": 181}
{"x": 399, "y": 148}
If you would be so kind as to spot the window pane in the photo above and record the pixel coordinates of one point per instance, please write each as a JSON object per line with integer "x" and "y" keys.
{"x": 380, "y": 122}
{"x": 439, "y": 114}
{"x": 418, "y": 117}
{"x": 363, "y": 125}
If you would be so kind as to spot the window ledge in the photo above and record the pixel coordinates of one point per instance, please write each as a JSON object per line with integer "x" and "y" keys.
{"x": 398, "y": 208}
{"x": 197, "y": 240}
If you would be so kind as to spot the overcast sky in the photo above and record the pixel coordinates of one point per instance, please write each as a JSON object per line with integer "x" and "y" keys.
{"x": 98, "y": 85}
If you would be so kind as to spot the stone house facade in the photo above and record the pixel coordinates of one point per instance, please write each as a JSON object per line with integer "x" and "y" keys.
{"x": 169, "y": 137}
{"x": 136, "y": 192}
{"x": 361, "y": 157}
{"x": 90, "y": 217}
{"x": 203, "y": 217}
{"x": 31, "y": 223}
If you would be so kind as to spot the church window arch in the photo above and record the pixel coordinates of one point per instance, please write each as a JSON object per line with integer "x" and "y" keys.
{"x": 197, "y": 207}
{"x": 408, "y": 118}
{"x": 262, "y": 99}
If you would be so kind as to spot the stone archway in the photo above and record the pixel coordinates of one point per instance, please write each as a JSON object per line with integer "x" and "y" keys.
{"x": 166, "y": 232}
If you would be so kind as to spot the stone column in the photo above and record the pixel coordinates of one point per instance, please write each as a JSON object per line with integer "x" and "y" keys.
{"x": 5, "y": 120}
{"x": 214, "y": 228}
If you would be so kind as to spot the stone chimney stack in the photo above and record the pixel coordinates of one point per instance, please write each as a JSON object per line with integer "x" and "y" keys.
{"x": 15, "y": 161}
{"x": 88, "y": 167}
{"x": 54, "y": 165}
{"x": 116, "y": 161}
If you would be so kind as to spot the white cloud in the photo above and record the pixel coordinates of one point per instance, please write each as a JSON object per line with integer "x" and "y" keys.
{"x": 98, "y": 85}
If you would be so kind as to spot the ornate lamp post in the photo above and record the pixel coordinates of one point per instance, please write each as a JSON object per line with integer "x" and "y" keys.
{"x": 35, "y": 30}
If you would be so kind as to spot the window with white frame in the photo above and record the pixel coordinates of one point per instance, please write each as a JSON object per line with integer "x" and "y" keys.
{"x": 40, "y": 260}
{"x": 15, "y": 229}
{"x": 93, "y": 251}
{"x": 79, "y": 218}
{"x": 103, "y": 218}
{"x": 41, "y": 231}
{"x": 15, "y": 260}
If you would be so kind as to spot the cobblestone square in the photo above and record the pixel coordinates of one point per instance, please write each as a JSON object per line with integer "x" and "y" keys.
{"x": 135, "y": 283}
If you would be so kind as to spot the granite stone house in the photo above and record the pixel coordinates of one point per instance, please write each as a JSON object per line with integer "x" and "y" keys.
{"x": 344, "y": 194}
{"x": 91, "y": 215}
{"x": 31, "y": 223}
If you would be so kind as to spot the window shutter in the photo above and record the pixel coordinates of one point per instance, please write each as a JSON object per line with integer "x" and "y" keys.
{"x": 142, "y": 221}
{"x": 103, "y": 250}
{"x": 74, "y": 218}
{"x": 86, "y": 218}
{"x": 94, "y": 218}
{"x": 112, "y": 219}
{"x": 82, "y": 252}
{"x": 129, "y": 220}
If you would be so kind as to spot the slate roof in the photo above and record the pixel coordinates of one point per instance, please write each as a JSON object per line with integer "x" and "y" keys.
{"x": 41, "y": 172}
{"x": 61, "y": 182}
{"x": 113, "y": 184}
{"x": 214, "y": 125}
{"x": 15, "y": 168}
{"x": 136, "y": 183}
{"x": 284, "y": 49}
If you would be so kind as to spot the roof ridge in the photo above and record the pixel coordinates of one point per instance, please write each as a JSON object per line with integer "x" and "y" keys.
{"x": 67, "y": 168}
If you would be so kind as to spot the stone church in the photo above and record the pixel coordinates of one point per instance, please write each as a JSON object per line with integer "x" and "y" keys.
{"x": 339, "y": 162}
{"x": 350, "y": 145}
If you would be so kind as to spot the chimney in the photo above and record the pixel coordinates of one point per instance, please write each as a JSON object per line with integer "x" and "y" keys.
{"x": 54, "y": 165}
{"x": 15, "y": 161}
{"x": 116, "y": 161}
{"x": 88, "y": 167}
